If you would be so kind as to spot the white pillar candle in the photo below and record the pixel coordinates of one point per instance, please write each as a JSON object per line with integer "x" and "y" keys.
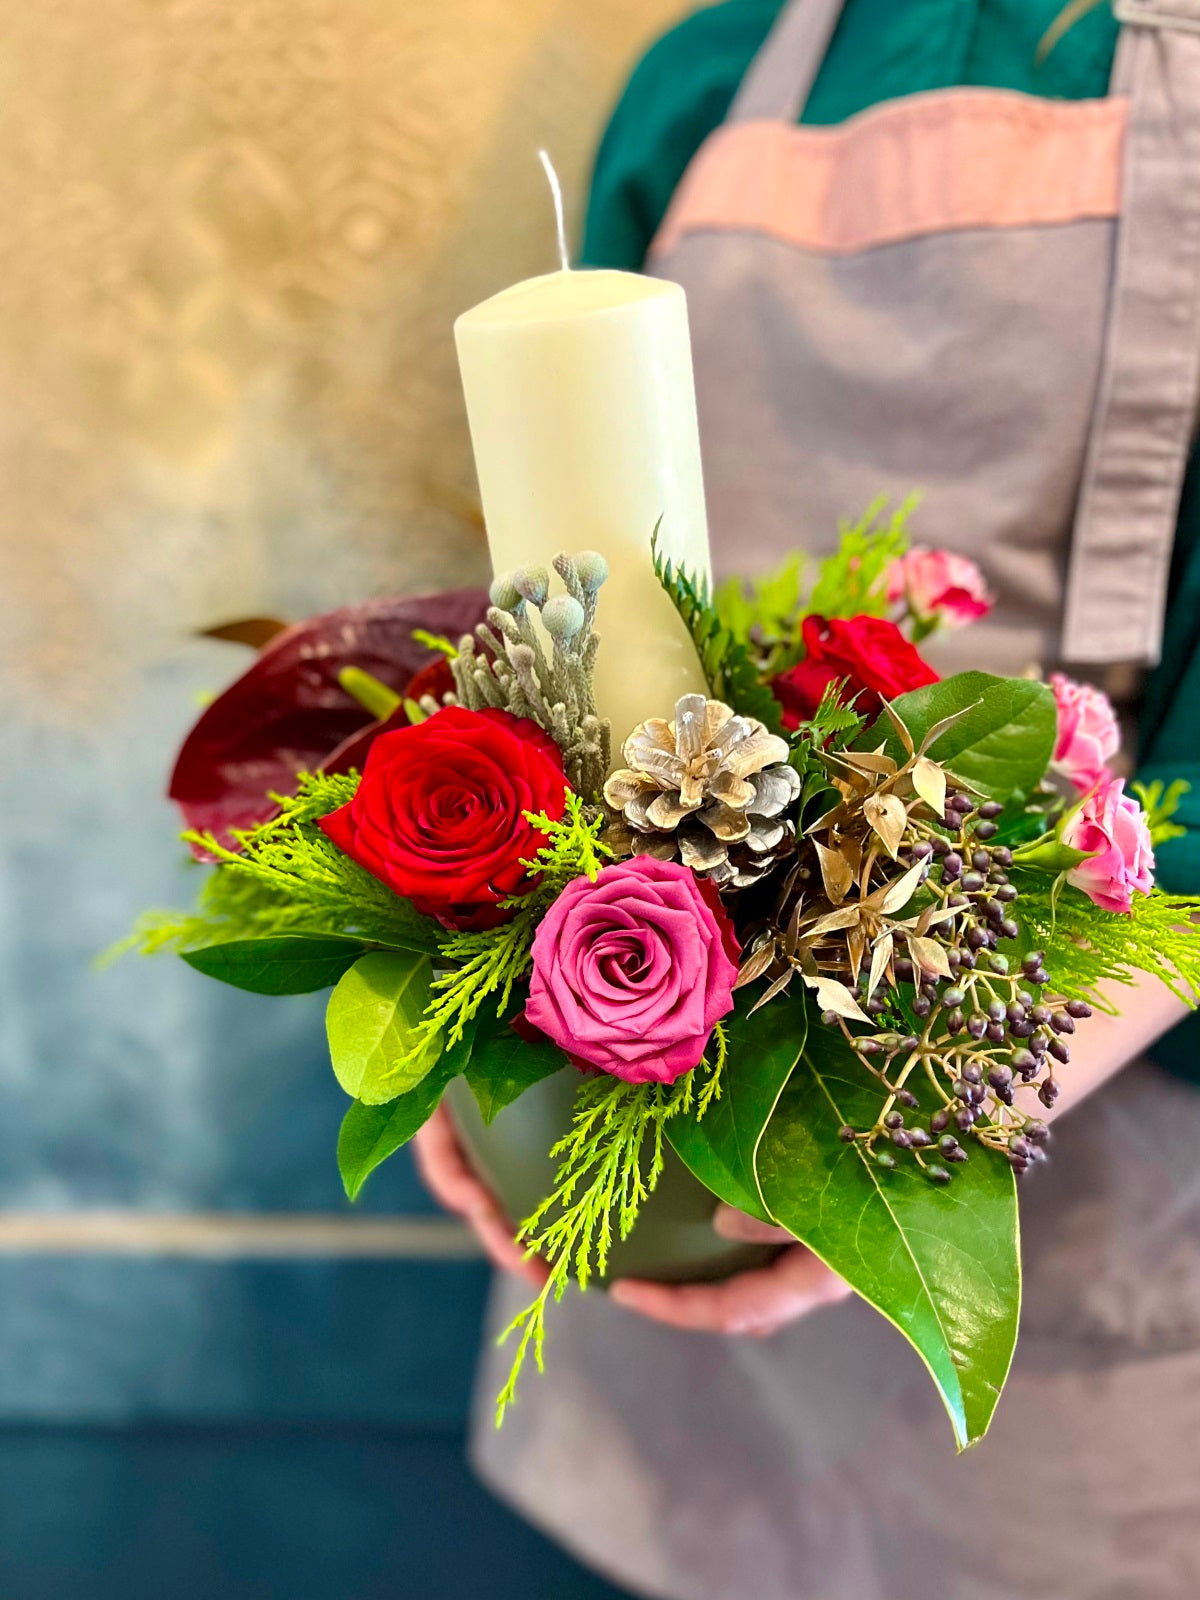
{"x": 582, "y": 410}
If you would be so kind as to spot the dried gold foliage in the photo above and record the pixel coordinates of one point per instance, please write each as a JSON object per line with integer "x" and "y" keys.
{"x": 840, "y": 912}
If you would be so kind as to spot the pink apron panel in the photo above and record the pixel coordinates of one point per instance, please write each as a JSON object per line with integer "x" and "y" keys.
{"x": 970, "y": 158}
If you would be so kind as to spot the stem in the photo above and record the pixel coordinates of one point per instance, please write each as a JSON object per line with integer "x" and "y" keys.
{"x": 898, "y": 1085}
{"x": 370, "y": 693}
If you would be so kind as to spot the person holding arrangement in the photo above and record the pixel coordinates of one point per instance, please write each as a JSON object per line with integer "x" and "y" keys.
{"x": 951, "y": 246}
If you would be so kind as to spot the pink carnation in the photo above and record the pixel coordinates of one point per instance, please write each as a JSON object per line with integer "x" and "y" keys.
{"x": 1112, "y": 825}
{"x": 1088, "y": 735}
{"x": 632, "y": 972}
{"x": 939, "y": 586}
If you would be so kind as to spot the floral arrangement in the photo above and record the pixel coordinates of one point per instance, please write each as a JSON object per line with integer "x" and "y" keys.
{"x": 827, "y": 931}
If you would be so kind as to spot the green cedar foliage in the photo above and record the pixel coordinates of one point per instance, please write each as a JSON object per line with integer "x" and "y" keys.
{"x": 603, "y": 1175}
{"x": 1087, "y": 946}
{"x": 288, "y": 878}
{"x": 853, "y": 581}
{"x": 487, "y": 965}
{"x": 764, "y": 614}
{"x": 767, "y": 607}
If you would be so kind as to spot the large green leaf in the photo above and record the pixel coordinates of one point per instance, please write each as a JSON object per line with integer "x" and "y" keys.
{"x": 940, "y": 1262}
{"x": 370, "y": 1134}
{"x": 371, "y": 1020}
{"x": 1003, "y": 741}
{"x": 285, "y": 964}
{"x": 720, "y": 1147}
{"x": 503, "y": 1065}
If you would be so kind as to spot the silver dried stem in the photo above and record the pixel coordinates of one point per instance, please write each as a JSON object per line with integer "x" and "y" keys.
{"x": 505, "y": 664}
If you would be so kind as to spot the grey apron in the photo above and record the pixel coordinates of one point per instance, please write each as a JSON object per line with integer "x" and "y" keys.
{"x": 900, "y": 301}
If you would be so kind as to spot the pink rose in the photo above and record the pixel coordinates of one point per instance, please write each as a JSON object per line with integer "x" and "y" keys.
{"x": 1088, "y": 736}
{"x": 938, "y": 586}
{"x": 632, "y": 972}
{"x": 1111, "y": 824}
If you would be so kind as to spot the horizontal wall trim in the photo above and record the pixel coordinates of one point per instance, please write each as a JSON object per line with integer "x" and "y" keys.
{"x": 234, "y": 1235}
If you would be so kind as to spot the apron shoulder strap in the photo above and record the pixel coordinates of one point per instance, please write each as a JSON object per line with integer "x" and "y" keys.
{"x": 782, "y": 74}
{"x": 1146, "y": 405}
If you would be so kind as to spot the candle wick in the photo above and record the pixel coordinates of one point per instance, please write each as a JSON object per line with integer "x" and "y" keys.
{"x": 559, "y": 215}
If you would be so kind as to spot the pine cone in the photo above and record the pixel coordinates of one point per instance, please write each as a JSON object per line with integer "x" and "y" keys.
{"x": 708, "y": 789}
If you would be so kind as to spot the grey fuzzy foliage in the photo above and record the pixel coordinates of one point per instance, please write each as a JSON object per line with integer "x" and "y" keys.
{"x": 506, "y": 664}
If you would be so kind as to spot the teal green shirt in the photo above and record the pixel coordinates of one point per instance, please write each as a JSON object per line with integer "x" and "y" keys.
{"x": 680, "y": 92}
{"x": 882, "y": 49}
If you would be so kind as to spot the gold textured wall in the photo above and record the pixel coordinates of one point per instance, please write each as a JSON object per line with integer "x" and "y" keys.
{"x": 233, "y": 237}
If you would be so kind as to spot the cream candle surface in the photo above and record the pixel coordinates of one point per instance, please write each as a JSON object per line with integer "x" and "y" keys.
{"x": 582, "y": 411}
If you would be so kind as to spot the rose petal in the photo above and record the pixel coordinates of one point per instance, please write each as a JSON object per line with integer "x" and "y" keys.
{"x": 631, "y": 972}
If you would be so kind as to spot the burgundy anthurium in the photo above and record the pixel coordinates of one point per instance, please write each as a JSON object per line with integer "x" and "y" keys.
{"x": 288, "y": 713}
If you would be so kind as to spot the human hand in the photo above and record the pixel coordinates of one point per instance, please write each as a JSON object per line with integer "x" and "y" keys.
{"x": 448, "y": 1175}
{"x": 751, "y": 1304}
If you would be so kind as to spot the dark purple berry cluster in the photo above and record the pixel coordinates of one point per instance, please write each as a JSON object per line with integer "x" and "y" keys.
{"x": 961, "y": 1037}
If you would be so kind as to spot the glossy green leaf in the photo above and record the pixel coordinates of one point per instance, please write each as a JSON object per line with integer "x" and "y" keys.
{"x": 370, "y": 1134}
{"x": 371, "y": 1020}
{"x": 1049, "y": 855}
{"x": 941, "y": 1262}
{"x": 1002, "y": 741}
{"x": 285, "y": 964}
{"x": 720, "y": 1147}
{"x": 503, "y": 1065}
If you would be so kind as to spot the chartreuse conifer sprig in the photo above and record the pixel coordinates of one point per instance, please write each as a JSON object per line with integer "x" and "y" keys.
{"x": 764, "y": 614}
{"x": 1158, "y": 936}
{"x": 492, "y": 961}
{"x": 286, "y": 877}
{"x": 485, "y": 965}
{"x": 602, "y": 1174}
{"x": 230, "y": 906}
{"x": 765, "y": 607}
{"x": 853, "y": 581}
{"x": 572, "y": 848}
{"x": 713, "y": 1083}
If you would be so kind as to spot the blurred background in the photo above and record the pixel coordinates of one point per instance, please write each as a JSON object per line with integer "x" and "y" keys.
{"x": 233, "y": 237}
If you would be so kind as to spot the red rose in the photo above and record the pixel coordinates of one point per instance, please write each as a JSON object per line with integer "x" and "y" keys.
{"x": 438, "y": 813}
{"x": 871, "y": 654}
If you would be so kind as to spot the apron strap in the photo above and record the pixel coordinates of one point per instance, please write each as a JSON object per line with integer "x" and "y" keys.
{"x": 1146, "y": 404}
{"x": 782, "y": 74}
